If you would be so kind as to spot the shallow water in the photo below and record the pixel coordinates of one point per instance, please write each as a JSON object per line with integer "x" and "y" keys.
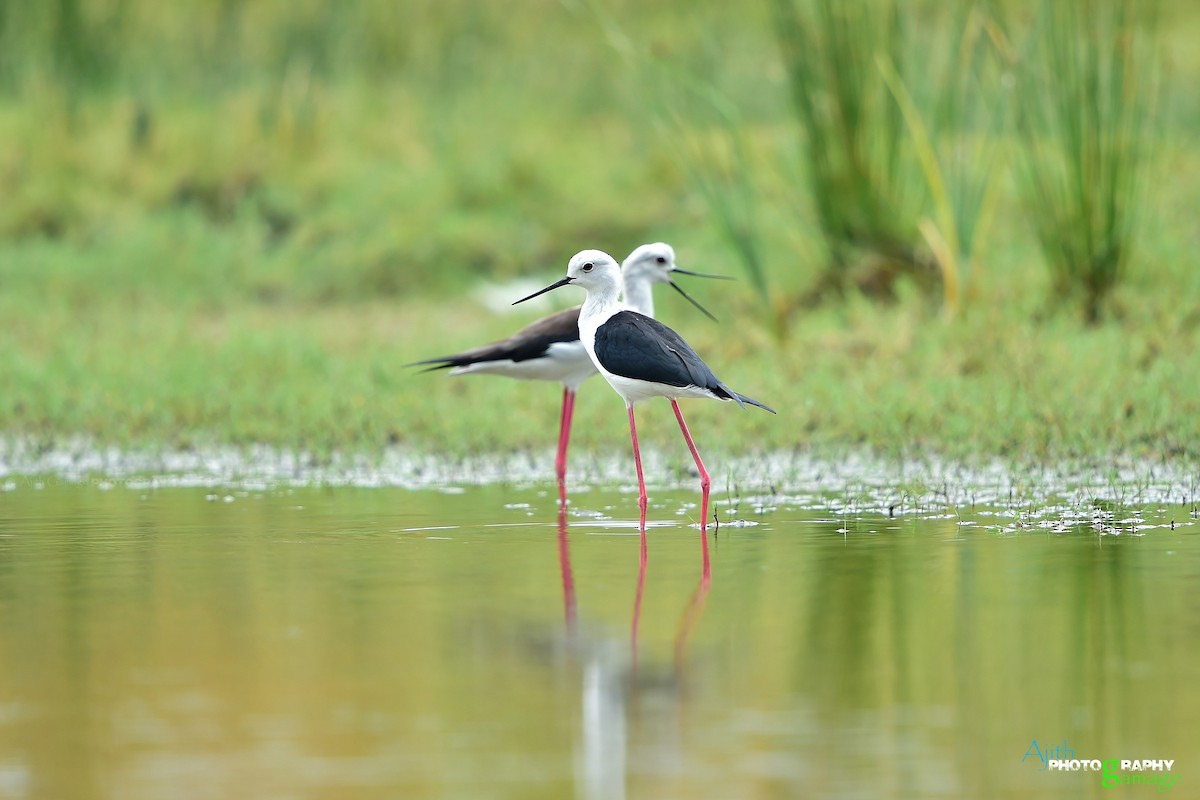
{"x": 361, "y": 643}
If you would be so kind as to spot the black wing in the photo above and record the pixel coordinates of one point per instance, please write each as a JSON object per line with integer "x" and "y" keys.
{"x": 636, "y": 346}
{"x": 530, "y": 342}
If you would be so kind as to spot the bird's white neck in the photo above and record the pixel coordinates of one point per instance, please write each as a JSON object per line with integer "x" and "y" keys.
{"x": 601, "y": 303}
{"x": 639, "y": 296}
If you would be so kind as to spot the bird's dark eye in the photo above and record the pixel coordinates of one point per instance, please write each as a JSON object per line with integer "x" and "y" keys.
{"x": 587, "y": 267}
{"x": 661, "y": 259}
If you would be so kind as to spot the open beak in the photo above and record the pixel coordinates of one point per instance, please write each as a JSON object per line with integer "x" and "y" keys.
{"x": 702, "y": 274}
{"x": 555, "y": 285}
{"x": 691, "y": 299}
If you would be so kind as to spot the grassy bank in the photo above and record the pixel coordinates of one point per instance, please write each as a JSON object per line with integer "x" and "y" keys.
{"x": 251, "y": 256}
{"x": 113, "y": 359}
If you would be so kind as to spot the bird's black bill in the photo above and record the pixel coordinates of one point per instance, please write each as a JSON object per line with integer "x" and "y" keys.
{"x": 552, "y": 286}
{"x": 691, "y": 299}
{"x": 702, "y": 274}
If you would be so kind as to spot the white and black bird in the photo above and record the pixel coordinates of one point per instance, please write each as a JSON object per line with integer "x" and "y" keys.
{"x": 550, "y": 350}
{"x": 640, "y": 357}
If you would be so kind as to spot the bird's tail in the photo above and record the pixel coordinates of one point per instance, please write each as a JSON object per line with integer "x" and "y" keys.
{"x": 438, "y": 363}
{"x": 742, "y": 400}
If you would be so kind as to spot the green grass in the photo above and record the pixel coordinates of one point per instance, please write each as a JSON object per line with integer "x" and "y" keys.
{"x": 250, "y": 255}
{"x": 126, "y": 365}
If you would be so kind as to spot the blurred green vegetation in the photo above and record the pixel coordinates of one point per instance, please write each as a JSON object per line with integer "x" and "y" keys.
{"x": 223, "y": 221}
{"x": 1085, "y": 137}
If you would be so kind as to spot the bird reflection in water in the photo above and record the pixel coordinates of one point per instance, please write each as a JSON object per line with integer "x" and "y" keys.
{"x": 613, "y": 686}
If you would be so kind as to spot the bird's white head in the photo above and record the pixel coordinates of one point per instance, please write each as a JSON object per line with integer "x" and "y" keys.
{"x": 594, "y": 270}
{"x": 650, "y": 262}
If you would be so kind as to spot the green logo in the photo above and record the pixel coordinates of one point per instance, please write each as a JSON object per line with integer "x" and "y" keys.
{"x": 1108, "y": 779}
{"x": 1133, "y": 772}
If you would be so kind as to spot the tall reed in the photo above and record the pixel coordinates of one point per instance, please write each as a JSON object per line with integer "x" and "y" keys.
{"x": 1086, "y": 97}
{"x": 853, "y": 132}
{"x": 956, "y": 117}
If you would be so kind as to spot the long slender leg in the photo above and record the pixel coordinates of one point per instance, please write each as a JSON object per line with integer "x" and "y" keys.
{"x": 637, "y": 459}
{"x": 704, "y": 481}
{"x": 564, "y": 436}
{"x": 642, "y": 559}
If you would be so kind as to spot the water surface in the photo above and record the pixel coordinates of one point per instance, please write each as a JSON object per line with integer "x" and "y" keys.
{"x": 363, "y": 643}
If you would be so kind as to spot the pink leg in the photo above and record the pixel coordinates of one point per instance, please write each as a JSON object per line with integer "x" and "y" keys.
{"x": 704, "y": 481}
{"x": 564, "y": 436}
{"x": 637, "y": 459}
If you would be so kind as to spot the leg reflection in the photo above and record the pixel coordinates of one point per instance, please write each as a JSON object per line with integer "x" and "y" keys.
{"x": 695, "y": 607}
{"x": 564, "y": 566}
{"x": 637, "y": 599}
{"x": 614, "y": 719}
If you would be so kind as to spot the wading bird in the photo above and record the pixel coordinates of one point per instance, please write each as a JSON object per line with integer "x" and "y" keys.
{"x": 549, "y": 349}
{"x": 640, "y": 357}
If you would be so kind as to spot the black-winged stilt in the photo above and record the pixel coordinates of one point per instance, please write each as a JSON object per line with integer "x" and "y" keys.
{"x": 640, "y": 357}
{"x": 549, "y": 349}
